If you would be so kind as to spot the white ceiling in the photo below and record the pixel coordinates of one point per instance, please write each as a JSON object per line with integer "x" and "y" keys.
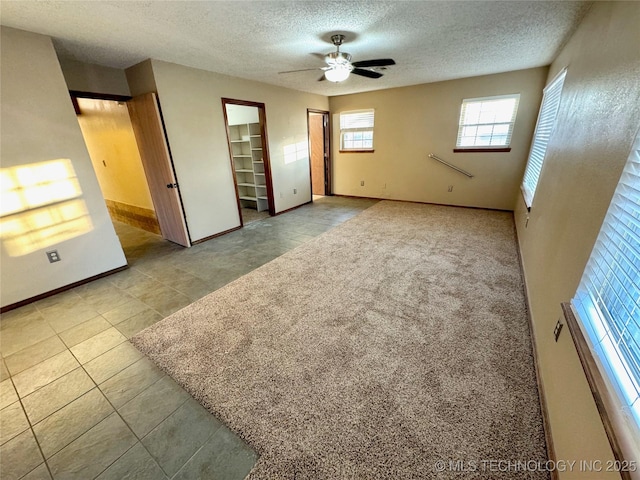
{"x": 430, "y": 41}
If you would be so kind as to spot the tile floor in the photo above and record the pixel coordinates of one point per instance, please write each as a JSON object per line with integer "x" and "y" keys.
{"x": 78, "y": 401}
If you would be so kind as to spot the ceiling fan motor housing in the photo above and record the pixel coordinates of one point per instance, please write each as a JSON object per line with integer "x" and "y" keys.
{"x": 337, "y": 58}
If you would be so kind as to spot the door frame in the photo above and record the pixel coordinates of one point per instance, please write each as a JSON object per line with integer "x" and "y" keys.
{"x": 326, "y": 126}
{"x": 262, "y": 118}
{"x": 75, "y": 94}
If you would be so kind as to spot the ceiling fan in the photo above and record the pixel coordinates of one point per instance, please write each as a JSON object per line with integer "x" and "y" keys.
{"x": 339, "y": 64}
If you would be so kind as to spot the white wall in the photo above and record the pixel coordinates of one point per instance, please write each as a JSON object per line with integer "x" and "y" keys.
{"x": 39, "y": 124}
{"x": 108, "y": 134}
{"x": 597, "y": 121}
{"x": 411, "y": 122}
{"x": 190, "y": 100}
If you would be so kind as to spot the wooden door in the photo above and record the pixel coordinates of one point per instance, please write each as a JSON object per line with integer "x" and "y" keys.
{"x": 319, "y": 151}
{"x": 316, "y": 137}
{"x": 158, "y": 167}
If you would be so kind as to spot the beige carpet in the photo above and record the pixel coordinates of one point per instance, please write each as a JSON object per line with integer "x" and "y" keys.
{"x": 393, "y": 341}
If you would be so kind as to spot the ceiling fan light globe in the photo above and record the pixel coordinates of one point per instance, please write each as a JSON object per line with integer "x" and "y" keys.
{"x": 337, "y": 74}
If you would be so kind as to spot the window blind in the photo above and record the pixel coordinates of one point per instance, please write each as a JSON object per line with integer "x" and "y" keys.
{"x": 356, "y": 130}
{"x": 487, "y": 122}
{"x": 608, "y": 298}
{"x": 356, "y": 120}
{"x": 542, "y": 135}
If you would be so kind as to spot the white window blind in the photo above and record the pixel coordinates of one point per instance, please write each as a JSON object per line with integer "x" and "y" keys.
{"x": 608, "y": 298}
{"x": 544, "y": 129}
{"x": 487, "y": 122}
{"x": 356, "y": 130}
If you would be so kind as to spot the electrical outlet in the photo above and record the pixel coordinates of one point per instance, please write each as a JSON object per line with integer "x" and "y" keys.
{"x": 295, "y": 191}
{"x": 362, "y": 183}
{"x": 557, "y": 330}
{"x": 450, "y": 189}
{"x": 53, "y": 256}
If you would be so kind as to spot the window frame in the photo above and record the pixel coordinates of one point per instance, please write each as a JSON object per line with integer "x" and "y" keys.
{"x": 593, "y": 316}
{"x": 503, "y": 147}
{"x": 540, "y": 141}
{"x": 346, "y": 130}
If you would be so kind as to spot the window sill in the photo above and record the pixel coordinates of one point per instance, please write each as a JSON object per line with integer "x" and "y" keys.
{"x": 478, "y": 150}
{"x": 356, "y": 151}
{"x": 616, "y": 424}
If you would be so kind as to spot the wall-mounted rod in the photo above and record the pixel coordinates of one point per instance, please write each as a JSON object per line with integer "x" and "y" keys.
{"x": 444, "y": 162}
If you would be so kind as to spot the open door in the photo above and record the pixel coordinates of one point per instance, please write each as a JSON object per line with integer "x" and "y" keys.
{"x": 319, "y": 151}
{"x": 158, "y": 167}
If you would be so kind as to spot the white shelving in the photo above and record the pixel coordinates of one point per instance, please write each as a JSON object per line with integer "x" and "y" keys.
{"x": 246, "y": 147}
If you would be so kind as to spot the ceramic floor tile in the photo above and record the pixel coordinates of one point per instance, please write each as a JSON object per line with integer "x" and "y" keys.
{"x": 115, "y": 360}
{"x": 143, "y": 286}
{"x": 138, "y": 322}
{"x": 8, "y": 393}
{"x": 152, "y": 406}
{"x": 108, "y": 299}
{"x": 41, "y": 472}
{"x": 12, "y": 422}
{"x": 90, "y": 454}
{"x": 30, "y": 356}
{"x": 176, "y": 439}
{"x": 125, "y": 311}
{"x": 4, "y": 371}
{"x": 57, "y": 394}
{"x": 97, "y": 345}
{"x": 224, "y": 457}
{"x": 84, "y": 331}
{"x": 24, "y": 334}
{"x": 135, "y": 464}
{"x": 131, "y": 381}
{"x": 19, "y": 456}
{"x": 61, "y": 428}
{"x": 38, "y": 376}
{"x": 165, "y": 300}
{"x": 128, "y": 278}
{"x": 63, "y": 317}
{"x": 19, "y": 316}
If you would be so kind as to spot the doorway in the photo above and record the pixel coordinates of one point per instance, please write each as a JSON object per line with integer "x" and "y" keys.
{"x": 249, "y": 153}
{"x": 129, "y": 154}
{"x": 319, "y": 152}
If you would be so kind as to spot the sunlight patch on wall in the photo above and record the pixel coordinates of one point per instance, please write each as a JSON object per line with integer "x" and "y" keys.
{"x": 41, "y": 205}
{"x": 295, "y": 152}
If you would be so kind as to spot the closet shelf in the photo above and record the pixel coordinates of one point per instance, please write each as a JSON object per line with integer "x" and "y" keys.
{"x": 246, "y": 184}
{"x": 245, "y": 170}
{"x": 246, "y": 197}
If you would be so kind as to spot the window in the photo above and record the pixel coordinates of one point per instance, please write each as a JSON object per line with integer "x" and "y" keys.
{"x": 356, "y": 130}
{"x": 487, "y": 123}
{"x": 544, "y": 129}
{"x": 607, "y": 301}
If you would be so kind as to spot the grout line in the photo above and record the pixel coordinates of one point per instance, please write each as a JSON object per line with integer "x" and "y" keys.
{"x": 33, "y": 433}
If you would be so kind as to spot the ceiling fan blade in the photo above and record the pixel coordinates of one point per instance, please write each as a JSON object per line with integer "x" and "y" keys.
{"x": 302, "y": 70}
{"x": 380, "y": 62}
{"x": 366, "y": 73}
{"x": 322, "y": 78}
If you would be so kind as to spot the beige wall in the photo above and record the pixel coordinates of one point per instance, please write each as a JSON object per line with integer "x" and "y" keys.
{"x": 39, "y": 124}
{"x": 108, "y": 133}
{"x": 598, "y": 117}
{"x": 411, "y": 122}
{"x": 88, "y": 77}
{"x": 191, "y": 105}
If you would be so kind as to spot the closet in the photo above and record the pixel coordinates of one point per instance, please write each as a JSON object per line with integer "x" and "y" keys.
{"x": 248, "y": 161}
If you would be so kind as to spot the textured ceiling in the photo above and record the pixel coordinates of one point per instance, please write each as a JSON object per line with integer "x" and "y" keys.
{"x": 430, "y": 41}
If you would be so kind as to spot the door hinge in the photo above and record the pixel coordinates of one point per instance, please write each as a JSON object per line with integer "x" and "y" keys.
{"x": 172, "y": 185}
